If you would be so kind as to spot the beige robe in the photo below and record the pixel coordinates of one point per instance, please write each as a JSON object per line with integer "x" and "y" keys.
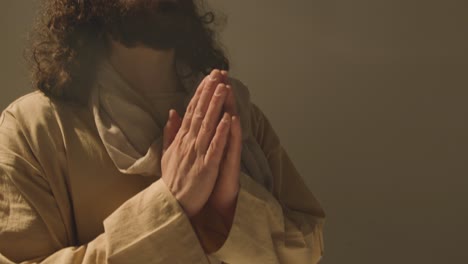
{"x": 62, "y": 200}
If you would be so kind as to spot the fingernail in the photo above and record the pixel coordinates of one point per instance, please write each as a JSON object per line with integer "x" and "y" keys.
{"x": 226, "y": 117}
{"x": 221, "y": 89}
{"x": 228, "y": 90}
{"x": 214, "y": 74}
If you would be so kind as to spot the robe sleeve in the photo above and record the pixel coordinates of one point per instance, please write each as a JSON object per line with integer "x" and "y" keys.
{"x": 285, "y": 226}
{"x": 150, "y": 227}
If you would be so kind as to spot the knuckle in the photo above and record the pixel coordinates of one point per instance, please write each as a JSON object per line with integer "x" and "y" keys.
{"x": 201, "y": 86}
{"x": 205, "y": 127}
{"x": 201, "y": 168}
{"x": 184, "y": 150}
{"x": 214, "y": 145}
{"x": 188, "y": 116}
{"x": 217, "y": 100}
{"x": 221, "y": 126}
{"x": 199, "y": 114}
{"x": 197, "y": 147}
{"x": 178, "y": 138}
{"x": 183, "y": 139}
{"x": 218, "y": 93}
{"x": 189, "y": 150}
{"x": 190, "y": 108}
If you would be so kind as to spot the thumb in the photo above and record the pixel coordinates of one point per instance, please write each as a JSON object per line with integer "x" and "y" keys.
{"x": 170, "y": 129}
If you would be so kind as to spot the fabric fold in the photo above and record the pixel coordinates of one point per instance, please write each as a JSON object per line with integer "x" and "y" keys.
{"x": 132, "y": 134}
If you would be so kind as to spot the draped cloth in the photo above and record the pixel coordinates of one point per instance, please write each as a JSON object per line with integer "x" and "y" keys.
{"x": 131, "y": 127}
{"x": 63, "y": 198}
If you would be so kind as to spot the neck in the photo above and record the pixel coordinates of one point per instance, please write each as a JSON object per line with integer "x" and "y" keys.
{"x": 146, "y": 70}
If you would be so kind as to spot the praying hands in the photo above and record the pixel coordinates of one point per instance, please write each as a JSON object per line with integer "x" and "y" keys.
{"x": 202, "y": 152}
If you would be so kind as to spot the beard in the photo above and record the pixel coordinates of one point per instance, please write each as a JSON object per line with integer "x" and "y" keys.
{"x": 157, "y": 24}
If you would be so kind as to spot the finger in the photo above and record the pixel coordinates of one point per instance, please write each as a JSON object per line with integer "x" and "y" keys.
{"x": 166, "y": 132}
{"x": 228, "y": 182}
{"x": 224, "y": 74}
{"x": 185, "y": 126}
{"x": 211, "y": 86}
{"x": 211, "y": 120}
{"x": 170, "y": 129}
{"x": 176, "y": 122}
{"x": 236, "y": 135}
{"x": 218, "y": 144}
{"x": 234, "y": 149}
{"x": 230, "y": 105}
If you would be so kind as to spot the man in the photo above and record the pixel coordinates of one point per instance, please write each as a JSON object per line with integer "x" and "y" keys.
{"x": 93, "y": 169}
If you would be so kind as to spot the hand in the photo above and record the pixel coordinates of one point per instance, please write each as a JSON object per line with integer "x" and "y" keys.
{"x": 191, "y": 159}
{"x": 224, "y": 195}
{"x": 225, "y": 192}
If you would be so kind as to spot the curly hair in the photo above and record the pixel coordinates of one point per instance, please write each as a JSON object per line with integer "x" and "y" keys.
{"x": 71, "y": 36}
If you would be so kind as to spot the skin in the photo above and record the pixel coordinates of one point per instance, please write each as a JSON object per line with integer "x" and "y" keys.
{"x": 148, "y": 71}
{"x": 201, "y": 154}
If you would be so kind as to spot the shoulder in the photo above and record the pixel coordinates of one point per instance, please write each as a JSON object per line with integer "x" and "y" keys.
{"x": 27, "y": 109}
{"x": 30, "y": 116}
{"x": 26, "y": 125}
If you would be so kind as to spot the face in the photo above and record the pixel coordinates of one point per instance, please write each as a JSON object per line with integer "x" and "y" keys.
{"x": 158, "y": 24}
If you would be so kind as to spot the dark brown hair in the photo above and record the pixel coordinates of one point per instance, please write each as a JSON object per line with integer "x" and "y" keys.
{"x": 70, "y": 38}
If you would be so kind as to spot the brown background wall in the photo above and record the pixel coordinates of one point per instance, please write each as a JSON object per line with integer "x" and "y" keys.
{"x": 369, "y": 99}
{"x": 15, "y": 21}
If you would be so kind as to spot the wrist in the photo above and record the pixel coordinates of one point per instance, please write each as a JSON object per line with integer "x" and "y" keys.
{"x": 228, "y": 213}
